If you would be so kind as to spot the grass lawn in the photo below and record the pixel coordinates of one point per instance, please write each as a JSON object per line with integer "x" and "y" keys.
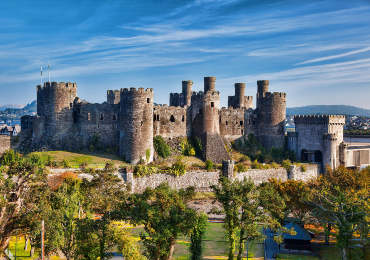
{"x": 215, "y": 245}
{"x": 21, "y": 253}
{"x": 76, "y": 159}
{"x": 295, "y": 257}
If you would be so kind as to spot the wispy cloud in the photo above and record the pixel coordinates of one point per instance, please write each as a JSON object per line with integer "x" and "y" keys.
{"x": 335, "y": 56}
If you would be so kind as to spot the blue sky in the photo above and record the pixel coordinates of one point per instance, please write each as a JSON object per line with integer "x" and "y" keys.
{"x": 318, "y": 52}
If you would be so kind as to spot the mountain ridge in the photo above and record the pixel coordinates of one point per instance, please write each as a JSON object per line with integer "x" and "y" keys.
{"x": 328, "y": 110}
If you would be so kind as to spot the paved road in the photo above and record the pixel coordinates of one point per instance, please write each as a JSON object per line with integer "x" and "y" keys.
{"x": 271, "y": 245}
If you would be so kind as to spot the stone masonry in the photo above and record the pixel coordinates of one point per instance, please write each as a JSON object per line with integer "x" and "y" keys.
{"x": 129, "y": 120}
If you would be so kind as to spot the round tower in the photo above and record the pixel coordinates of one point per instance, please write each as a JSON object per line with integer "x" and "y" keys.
{"x": 56, "y": 105}
{"x": 262, "y": 86}
{"x": 239, "y": 93}
{"x": 330, "y": 151}
{"x": 343, "y": 153}
{"x": 211, "y": 118}
{"x": 136, "y": 130}
{"x": 187, "y": 91}
{"x": 209, "y": 84}
{"x": 271, "y": 110}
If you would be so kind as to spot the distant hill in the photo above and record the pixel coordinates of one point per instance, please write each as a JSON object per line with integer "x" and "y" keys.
{"x": 3, "y": 107}
{"x": 328, "y": 110}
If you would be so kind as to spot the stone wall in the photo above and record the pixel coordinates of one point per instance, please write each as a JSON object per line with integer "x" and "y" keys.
{"x": 201, "y": 180}
{"x": 5, "y": 143}
{"x": 169, "y": 122}
{"x": 259, "y": 176}
{"x": 232, "y": 123}
{"x": 296, "y": 173}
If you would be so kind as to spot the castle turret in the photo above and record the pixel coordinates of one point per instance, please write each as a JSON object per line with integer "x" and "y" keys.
{"x": 239, "y": 100}
{"x": 330, "y": 152}
{"x": 136, "y": 134}
{"x": 55, "y": 104}
{"x": 211, "y": 106}
{"x": 113, "y": 96}
{"x": 209, "y": 84}
{"x": 343, "y": 153}
{"x": 187, "y": 92}
{"x": 271, "y": 109}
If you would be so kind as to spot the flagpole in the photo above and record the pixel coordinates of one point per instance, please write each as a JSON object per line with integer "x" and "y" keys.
{"x": 41, "y": 76}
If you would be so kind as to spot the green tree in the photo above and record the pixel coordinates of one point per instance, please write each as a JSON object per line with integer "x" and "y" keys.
{"x": 244, "y": 206}
{"x": 22, "y": 187}
{"x": 209, "y": 164}
{"x": 197, "y": 237}
{"x": 165, "y": 216}
{"x": 102, "y": 196}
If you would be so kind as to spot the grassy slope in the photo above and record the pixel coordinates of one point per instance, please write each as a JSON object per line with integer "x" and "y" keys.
{"x": 78, "y": 158}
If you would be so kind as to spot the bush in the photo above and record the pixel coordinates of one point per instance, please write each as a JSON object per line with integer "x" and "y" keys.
{"x": 178, "y": 169}
{"x": 303, "y": 167}
{"x": 141, "y": 161}
{"x": 162, "y": 149}
{"x": 209, "y": 164}
{"x": 66, "y": 163}
{"x": 191, "y": 152}
{"x": 84, "y": 164}
{"x": 10, "y": 157}
{"x": 244, "y": 158}
{"x": 147, "y": 155}
{"x": 256, "y": 165}
{"x": 240, "y": 167}
{"x": 197, "y": 146}
{"x": 274, "y": 165}
{"x": 286, "y": 164}
{"x": 109, "y": 167}
{"x": 142, "y": 170}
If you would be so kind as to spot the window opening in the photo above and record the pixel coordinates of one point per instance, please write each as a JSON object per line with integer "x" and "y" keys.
{"x": 157, "y": 117}
{"x": 241, "y": 122}
{"x": 101, "y": 116}
{"x": 212, "y": 104}
{"x": 88, "y": 116}
{"x": 242, "y": 131}
{"x": 114, "y": 117}
{"x": 226, "y": 122}
{"x": 70, "y": 104}
{"x": 154, "y": 118}
{"x": 148, "y": 100}
{"x": 183, "y": 118}
{"x": 141, "y": 123}
{"x": 172, "y": 119}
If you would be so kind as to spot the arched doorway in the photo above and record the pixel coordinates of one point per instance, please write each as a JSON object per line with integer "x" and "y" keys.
{"x": 318, "y": 156}
{"x": 304, "y": 155}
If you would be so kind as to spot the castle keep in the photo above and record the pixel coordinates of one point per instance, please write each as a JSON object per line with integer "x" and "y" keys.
{"x": 129, "y": 120}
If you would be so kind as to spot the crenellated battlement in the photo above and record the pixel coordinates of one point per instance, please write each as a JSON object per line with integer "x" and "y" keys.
{"x": 231, "y": 109}
{"x": 126, "y": 91}
{"x": 319, "y": 119}
{"x": 56, "y": 85}
{"x": 213, "y": 93}
{"x": 330, "y": 137}
{"x": 271, "y": 95}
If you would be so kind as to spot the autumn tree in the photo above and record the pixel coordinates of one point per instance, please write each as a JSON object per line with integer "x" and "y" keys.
{"x": 165, "y": 215}
{"x": 22, "y": 185}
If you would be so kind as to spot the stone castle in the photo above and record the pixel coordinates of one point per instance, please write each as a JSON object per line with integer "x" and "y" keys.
{"x": 129, "y": 119}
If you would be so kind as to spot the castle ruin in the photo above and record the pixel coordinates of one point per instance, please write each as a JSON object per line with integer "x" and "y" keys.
{"x": 129, "y": 120}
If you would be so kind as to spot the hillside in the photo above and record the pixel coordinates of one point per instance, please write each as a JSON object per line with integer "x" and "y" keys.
{"x": 328, "y": 110}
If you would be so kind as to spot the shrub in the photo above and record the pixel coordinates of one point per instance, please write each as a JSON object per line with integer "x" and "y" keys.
{"x": 178, "y": 169}
{"x": 147, "y": 155}
{"x": 36, "y": 159}
{"x": 274, "y": 165}
{"x": 286, "y": 164}
{"x": 197, "y": 146}
{"x": 191, "y": 152}
{"x": 303, "y": 167}
{"x": 89, "y": 170}
{"x": 66, "y": 163}
{"x": 109, "y": 167}
{"x": 10, "y": 157}
{"x": 142, "y": 170}
{"x": 244, "y": 158}
{"x": 209, "y": 164}
{"x": 161, "y": 147}
{"x": 84, "y": 164}
{"x": 256, "y": 165}
{"x": 240, "y": 167}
